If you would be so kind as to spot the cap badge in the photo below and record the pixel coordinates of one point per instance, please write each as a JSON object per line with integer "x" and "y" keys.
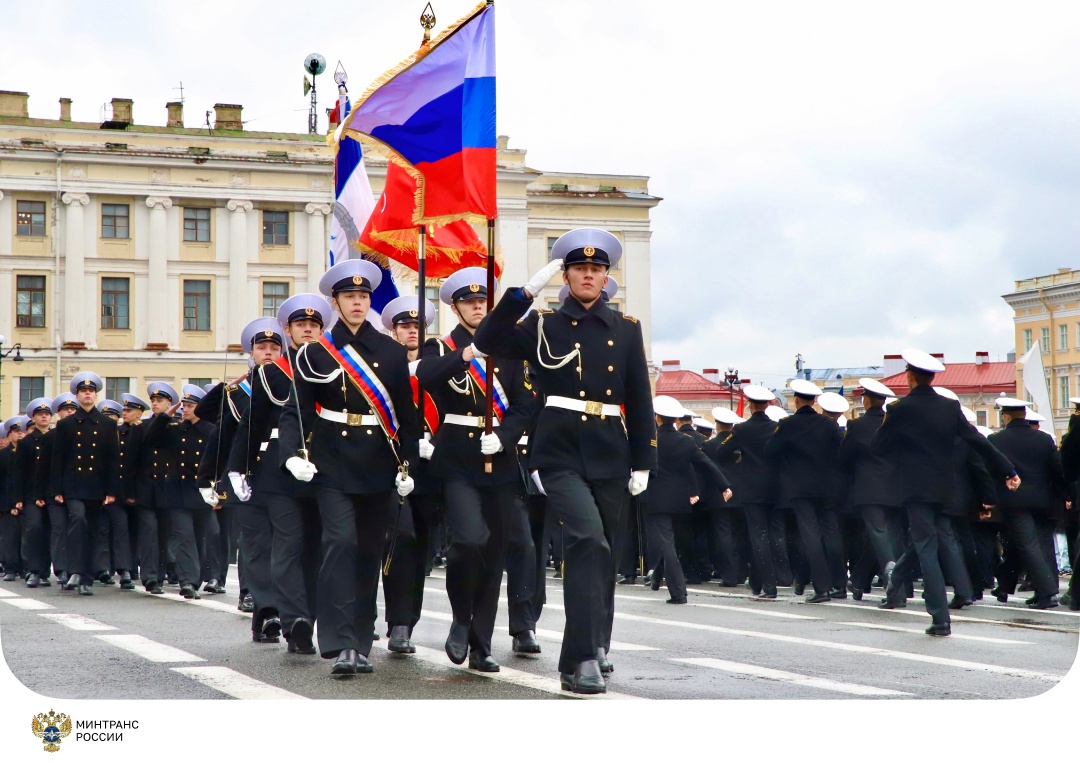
{"x": 309, "y": 311}
{"x": 357, "y": 280}
{"x": 413, "y": 313}
{"x": 589, "y": 251}
{"x": 268, "y": 333}
{"x": 474, "y": 287}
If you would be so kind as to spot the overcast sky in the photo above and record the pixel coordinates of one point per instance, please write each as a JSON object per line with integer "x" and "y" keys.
{"x": 839, "y": 180}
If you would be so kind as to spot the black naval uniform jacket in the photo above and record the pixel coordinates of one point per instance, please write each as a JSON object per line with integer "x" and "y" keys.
{"x": 671, "y": 486}
{"x": 1070, "y": 456}
{"x": 86, "y": 457}
{"x": 25, "y": 463}
{"x": 1042, "y": 488}
{"x": 972, "y": 486}
{"x": 194, "y": 437}
{"x": 159, "y": 463}
{"x": 457, "y": 448}
{"x": 611, "y": 368}
{"x": 803, "y": 451}
{"x": 752, "y": 479}
{"x": 255, "y": 449}
{"x": 917, "y": 435}
{"x": 7, "y": 455}
{"x": 41, "y": 487}
{"x": 130, "y": 436}
{"x": 357, "y": 460}
{"x": 228, "y": 403}
{"x": 874, "y": 480}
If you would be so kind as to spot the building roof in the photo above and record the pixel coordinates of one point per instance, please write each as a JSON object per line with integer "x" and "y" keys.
{"x": 687, "y": 385}
{"x": 830, "y": 374}
{"x": 966, "y": 378}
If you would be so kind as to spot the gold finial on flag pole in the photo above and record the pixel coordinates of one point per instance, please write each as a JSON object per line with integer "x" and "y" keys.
{"x": 427, "y": 21}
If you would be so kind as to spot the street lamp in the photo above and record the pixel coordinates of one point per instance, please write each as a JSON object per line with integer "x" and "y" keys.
{"x": 16, "y": 348}
{"x": 731, "y": 381}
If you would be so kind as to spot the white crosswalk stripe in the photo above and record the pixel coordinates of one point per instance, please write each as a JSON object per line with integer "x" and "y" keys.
{"x": 78, "y": 622}
{"x": 793, "y": 678}
{"x": 30, "y": 604}
{"x": 960, "y": 636}
{"x": 149, "y": 650}
{"x": 238, "y": 685}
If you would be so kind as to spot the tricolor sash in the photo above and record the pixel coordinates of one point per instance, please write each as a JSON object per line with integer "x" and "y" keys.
{"x": 283, "y": 363}
{"x": 431, "y": 413}
{"x": 479, "y": 377}
{"x": 365, "y": 380}
{"x": 246, "y": 387}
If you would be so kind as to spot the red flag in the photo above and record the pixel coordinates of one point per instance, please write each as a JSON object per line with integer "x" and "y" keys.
{"x": 742, "y": 405}
{"x": 390, "y": 232}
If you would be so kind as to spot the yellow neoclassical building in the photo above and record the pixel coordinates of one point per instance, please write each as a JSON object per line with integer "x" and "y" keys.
{"x": 139, "y": 251}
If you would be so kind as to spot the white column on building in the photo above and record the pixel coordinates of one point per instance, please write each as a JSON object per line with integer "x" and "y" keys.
{"x": 316, "y": 243}
{"x": 238, "y": 262}
{"x": 156, "y": 306}
{"x": 75, "y": 321}
{"x": 638, "y": 303}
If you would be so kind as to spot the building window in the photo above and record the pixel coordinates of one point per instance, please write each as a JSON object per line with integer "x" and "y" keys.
{"x": 432, "y": 294}
{"x": 1078, "y": 334}
{"x": 115, "y": 386}
{"x": 196, "y": 305}
{"x": 1063, "y": 392}
{"x": 114, "y": 221}
{"x": 30, "y": 218}
{"x": 980, "y": 418}
{"x": 1063, "y": 337}
{"x": 30, "y": 388}
{"x": 196, "y": 224}
{"x": 199, "y": 381}
{"x": 550, "y": 244}
{"x": 1027, "y": 338}
{"x": 274, "y": 293}
{"x": 114, "y": 303}
{"x": 30, "y": 301}
{"x": 1045, "y": 343}
{"x": 275, "y": 228}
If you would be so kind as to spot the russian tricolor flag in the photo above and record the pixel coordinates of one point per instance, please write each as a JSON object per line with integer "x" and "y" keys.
{"x": 438, "y": 115}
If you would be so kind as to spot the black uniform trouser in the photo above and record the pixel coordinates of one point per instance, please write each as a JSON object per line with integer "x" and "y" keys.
{"x": 295, "y": 556}
{"x": 1022, "y": 531}
{"x": 778, "y": 522}
{"x": 881, "y": 543}
{"x": 11, "y": 541}
{"x": 479, "y": 521}
{"x": 219, "y": 544}
{"x": 353, "y": 535}
{"x": 151, "y": 538}
{"x": 525, "y": 578}
{"x": 951, "y": 558}
{"x": 726, "y": 557}
{"x": 257, "y": 534}
{"x": 35, "y": 538}
{"x": 1074, "y": 581}
{"x": 403, "y": 586}
{"x": 926, "y": 526}
{"x": 58, "y": 518}
{"x": 985, "y": 536}
{"x": 762, "y": 571}
{"x": 187, "y": 542}
{"x": 692, "y": 532}
{"x": 1045, "y": 529}
{"x": 83, "y": 530}
{"x": 112, "y": 550}
{"x": 809, "y": 515}
{"x": 591, "y": 512}
{"x": 662, "y": 528}
{"x": 632, "y": 533}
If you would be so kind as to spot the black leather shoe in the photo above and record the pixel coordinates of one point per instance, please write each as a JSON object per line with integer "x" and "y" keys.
{"x": 72, "y": 582}
{"x": 606, "y": 668}
{"x": 62, "y": 579}
{"x": 627, "y": 580}
{"x": 890, "y": 589}
{"x": 677, "y": 600}
{"x": 818, "y": 598}
{"x": 888, "y": 603}
{"x": 154, "y": 587}
{"x": 399, "y": 640}
{"x": 766, "y": 595}
{"x": 1074, "y": 601}
{"x": 837, "y": 593}
{"x": 172, "y": 580}
{"x": 346, "y": 663}
{"x": 105, "y": 578}
{"x": 856, "y": 592}
{"x": 44, "y": 582}
{"x": 939, "y": 629}
{"x": 457, "y": 643}
{"x": 187, "y": 590}
{"x": 300, "y": 637}
{"x": 959, "y": 603}
{"x": 800, "y": 589}
{"x": 85, "y": 590}
{"x": 482, "y": 662}
{"x": 247, "y": 603}
{"x": 587, "y": 679}
{"x": 33, "y": 581}
{"x": 1048, "y": 603}
{"x": 271, "y": 630}
{"x": 525, "y": 643}
{"x": 656, "y": 581}
{"x": 214, "y": 586}
{"x": 9, "y": 577}
{"x": 1000, "y": 595}
{"x": 363, "y": 665}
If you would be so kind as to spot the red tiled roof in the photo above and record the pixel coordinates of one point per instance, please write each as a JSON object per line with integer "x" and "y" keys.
{"x": 966, "y": 378}
{"x": 687, "y": 385}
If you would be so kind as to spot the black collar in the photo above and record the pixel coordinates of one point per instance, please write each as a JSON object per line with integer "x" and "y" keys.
{"x": 807, "y": 410}
{"x": 1018, "y": 423}
{"x": 461, "y": 336}
{"x": 364, "y": 336}
{"x": 600, "y": 309}
{"x": 922, "y": 389}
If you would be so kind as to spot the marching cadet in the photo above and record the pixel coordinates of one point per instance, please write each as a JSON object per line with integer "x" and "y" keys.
{"x": 754, "y": 486}
{"x": 113, "y": 550}
{"x": 671, "y": 492}
{"x": 10, "y": 535}
{"x": 138, "y": 495}
{"x": 34, "y": 517}
{"x": 803, "y": 449}
{"x": 403, "y": 579}
{"x": 717, "y": 510}
{"x": 875, "y": 488}
{"x": 63, "y": 405}
{"x": 85, "y": 476}
{"x": 158, "y": 480}
{"x": 917, "y": 434}
{"x": 590, "y": 364}
{"x": 1031, "y": 510}
{"x": 478, "y": 500}
{"x": 358, "y": 435}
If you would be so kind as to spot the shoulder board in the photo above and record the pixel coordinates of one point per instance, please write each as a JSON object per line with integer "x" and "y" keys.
{"x": 233, "y": 387}
{"x": 545, "y": 310}
{"x": 894, "y": 402}
{"x": 724, "y": 441}
{"x": 630, "y": 318}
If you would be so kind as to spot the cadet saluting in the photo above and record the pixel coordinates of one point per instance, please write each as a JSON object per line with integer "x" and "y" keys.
{"x": 590, "y": 364}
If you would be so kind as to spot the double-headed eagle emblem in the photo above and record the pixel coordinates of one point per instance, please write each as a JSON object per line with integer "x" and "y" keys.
{"x": 50, "y": 728}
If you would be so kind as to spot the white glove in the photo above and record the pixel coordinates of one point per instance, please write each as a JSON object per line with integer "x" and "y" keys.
{"x": 536, "y": 481}
{"x": 490, "y": 444}
{"x": 638, "y": 482}
{"x": 426, "y": 448}
{"x": 541, "y": 278}
{"x": 405, "y": 485}
{"x": 240, "y": 487}
{"x": 209, "y": 495}
{"x": 301, "y": 469}
{"x": 477, "y": 353}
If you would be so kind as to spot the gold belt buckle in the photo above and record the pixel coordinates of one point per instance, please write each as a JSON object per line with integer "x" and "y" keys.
{"x": 594, "y": 408}
{"x": 481, "y": 422}
{"x": 355, "y": 419}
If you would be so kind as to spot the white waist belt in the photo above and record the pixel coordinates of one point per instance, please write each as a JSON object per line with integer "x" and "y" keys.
{"x": 273, "y": 436}
{"x": 583, "y": 406}
{"x": 468, "y": 421}
{"x": 351, "y": 419}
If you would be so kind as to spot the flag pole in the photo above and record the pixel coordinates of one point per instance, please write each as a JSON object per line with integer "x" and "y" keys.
{"x": 421, "y": 278}
{"x": 489, "y": 398}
